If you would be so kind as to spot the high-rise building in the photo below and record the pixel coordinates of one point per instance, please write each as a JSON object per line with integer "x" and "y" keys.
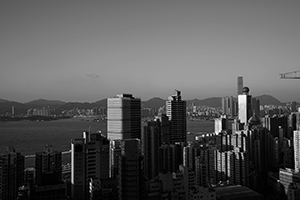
{"x": 255, "y": 106}
{"x": 245, "y": 102}
{"x": 176, "y": 111}
{"x": 289, "y": 177}
{"x": 89, "y": 160}
{"x": 48, "y": 167}
{"x": 130, "y": 175}
{"x": 165, "y": 137}
{"x": 223, "y": 124}
{"x": 297, "y": 150}
{"x": 123, "y": 117}
{"x": 78, "y": 177}
{"x": 228, "y": 106}
{"x": 150, "y": 145}
{"x": 170, "y": 157}
{"x": 293, "y": 106}
{"x": 114, "y": 153}
{"x": 11, "y": 173}
{"x": 240, "y": 85}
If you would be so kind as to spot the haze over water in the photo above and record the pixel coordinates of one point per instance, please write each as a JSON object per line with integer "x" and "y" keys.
{"x": 31, "y": 137}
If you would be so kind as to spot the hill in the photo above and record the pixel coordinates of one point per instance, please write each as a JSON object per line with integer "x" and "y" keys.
{"x": 20, "y": 108}
{"x": 268, "y": 100}
{"x": 3, "y": 100}
{"x": 44, "y": 103}
{"x": 212, "y": 102}
{"x": 154, "y": 103}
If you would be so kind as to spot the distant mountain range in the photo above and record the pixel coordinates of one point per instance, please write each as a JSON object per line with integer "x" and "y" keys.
{"x": 155, "y": 103}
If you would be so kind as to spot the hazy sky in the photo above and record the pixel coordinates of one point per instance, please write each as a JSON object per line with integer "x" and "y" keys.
{"x": 87, "y": 51}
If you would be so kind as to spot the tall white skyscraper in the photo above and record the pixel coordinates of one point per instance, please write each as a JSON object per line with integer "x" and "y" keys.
{"x": 244, "y": 109}
{"x": 297, "y": 150}
{"x": 123, "y": 117}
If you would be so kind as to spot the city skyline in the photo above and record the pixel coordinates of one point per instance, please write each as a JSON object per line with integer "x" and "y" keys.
{"x": 85, "y": 51}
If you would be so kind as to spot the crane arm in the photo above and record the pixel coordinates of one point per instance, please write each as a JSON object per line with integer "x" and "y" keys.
{"x": 290, "y": 75}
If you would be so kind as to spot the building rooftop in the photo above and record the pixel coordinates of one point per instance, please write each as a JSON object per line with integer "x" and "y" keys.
{"x": 234, "y": 192}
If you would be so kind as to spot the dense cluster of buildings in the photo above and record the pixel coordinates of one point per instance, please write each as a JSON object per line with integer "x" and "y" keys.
{"x": 247, "y": 157}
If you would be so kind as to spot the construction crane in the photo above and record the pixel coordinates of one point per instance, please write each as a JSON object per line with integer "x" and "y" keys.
{"x": 290, "y": 75}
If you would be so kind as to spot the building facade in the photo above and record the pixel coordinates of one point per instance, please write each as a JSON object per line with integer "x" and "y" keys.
{"x": 123, "y": 117}
{"x": 244, "y": 108}
{"x": 11, "y": 173}
{"x": 176, "y": 111}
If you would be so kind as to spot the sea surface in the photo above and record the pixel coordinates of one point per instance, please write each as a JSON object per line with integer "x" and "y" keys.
{"x": 29, "y": 137}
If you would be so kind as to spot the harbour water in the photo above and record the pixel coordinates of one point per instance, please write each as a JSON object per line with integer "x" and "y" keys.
{"x": 29, "y": 137}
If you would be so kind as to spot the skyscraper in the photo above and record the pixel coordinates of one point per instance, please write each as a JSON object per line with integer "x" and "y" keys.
{"x": 78, "y": 179}
{"x": 176, "y": 111}
{"x": 49, "y": 182}
{"x": 114, "y": 153}
{"x": 164, "y": 129}
{"x": 130, "y": 170}
{"x": 48, "y": 167}
{"x": 150, "y": 148}
{"x": 240, "y": 85}
{"x": 123, "y": 117}
{"x": 11, "y": 173}
{"x": 244, "y": 109}
{"x": 228, "y": 106}
{"x": 297, "y": 150}
{"x": 293, "y": 106}
{"x": 89, "y": 160}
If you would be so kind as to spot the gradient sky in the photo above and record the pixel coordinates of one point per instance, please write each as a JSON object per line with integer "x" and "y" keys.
{"x": 88, "y": 50}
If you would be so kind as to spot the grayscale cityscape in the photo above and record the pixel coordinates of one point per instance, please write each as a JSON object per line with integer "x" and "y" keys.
{"x": 152, "y": 100}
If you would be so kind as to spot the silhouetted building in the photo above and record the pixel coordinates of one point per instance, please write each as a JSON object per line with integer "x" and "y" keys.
{"x": 165, "y": 135}
{"x": 176, "y": 111}
{"x": 130, "y": 177}
{"x": 78, "y": 169}
{"x": 48, "y": 167}
{"x": 272, "y": 123}
{"x": 240, "y": 85}
{"x": 49, "y": 184}
{"x": 89, "y": 160}
{"x": 11, "y": 173}
{"x": 235, "y": 192}
{"x": 293, "y": 106}
{"x": 255, "y": 107}
{"x": 123, "y": 117}
{"x": 170, "y": 157}
{"x": 104, "y": 189}
{"x": 150, "y": 148}
{"x": 114, "y": 153}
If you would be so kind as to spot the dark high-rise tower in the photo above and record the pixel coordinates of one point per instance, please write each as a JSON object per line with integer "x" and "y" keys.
{"x": 240, "y": 85}
{"x": 150, "y": 145}
{"x": 11, "y": 173}
{"x": 48, "y": 167}
{"x": 89, "y": 160}
{"x": 130, "y": 170}
{"x": 176, "y": 111}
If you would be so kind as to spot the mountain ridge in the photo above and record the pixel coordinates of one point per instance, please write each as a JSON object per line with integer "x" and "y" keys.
{"x": 154, "y": 103}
